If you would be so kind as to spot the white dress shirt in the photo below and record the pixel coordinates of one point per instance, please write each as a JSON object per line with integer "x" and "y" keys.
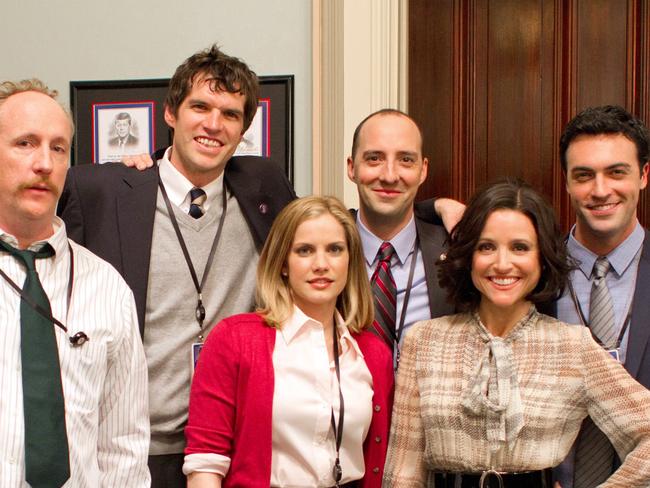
{"x": 104, "y": 380}
{"x": 178, "y": 186}
{"x": 306, "y": 390}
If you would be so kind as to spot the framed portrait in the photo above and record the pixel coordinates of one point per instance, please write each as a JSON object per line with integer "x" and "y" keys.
{"x": 117, "y": 118}
{"x": 121, "y": 129}
{"x": 271, "y": 132}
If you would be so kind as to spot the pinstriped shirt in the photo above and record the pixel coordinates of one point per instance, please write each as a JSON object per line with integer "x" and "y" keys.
{"x": 104, "y": 380}
{"x": 563, "y": 376}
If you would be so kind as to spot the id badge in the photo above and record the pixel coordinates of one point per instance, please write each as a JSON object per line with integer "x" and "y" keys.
{"x": 615, "y": 353}
{"x": 196, "y": 350}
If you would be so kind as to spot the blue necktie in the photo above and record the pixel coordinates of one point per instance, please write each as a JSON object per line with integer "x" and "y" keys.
{"x": 197, "y": 199}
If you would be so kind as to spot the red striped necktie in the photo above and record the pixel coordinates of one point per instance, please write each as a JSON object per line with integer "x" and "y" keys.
{"x": 385, "y": 295}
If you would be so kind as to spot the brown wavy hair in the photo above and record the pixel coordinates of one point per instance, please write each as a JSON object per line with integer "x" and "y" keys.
{"x": 223, "y": 72}
{"x": 513, "y": 194}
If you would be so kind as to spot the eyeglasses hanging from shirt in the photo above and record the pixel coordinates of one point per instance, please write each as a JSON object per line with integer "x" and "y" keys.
{"x": 79, "y": 338}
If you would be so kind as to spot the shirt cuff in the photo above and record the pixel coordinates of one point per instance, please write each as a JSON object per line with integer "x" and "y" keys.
{"x": 206, "y": 463}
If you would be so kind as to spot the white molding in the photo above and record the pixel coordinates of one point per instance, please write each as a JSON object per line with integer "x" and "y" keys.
{"x": 360, "y": 49}
{"x": 316, "y": 105}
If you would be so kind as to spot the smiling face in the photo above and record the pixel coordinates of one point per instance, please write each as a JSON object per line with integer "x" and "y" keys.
{"x": 207, "y": 129}
{"x": 387, "y": 168}
{"x": 604, "y": 181}
{"x": 506, "y": 264}
{"x": 35, "y": 138}
{"x": 317, "y": 266}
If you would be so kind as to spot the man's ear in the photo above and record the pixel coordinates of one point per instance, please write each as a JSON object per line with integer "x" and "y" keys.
{"x": 644, "y": 175}
{"x": 351, "y": 169}
{"x": 170, "y": 118}
{"x": 425, "y": 170}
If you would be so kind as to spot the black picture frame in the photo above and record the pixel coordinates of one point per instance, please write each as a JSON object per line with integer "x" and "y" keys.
{"x": 87, "y": 96}
{"x": 276, "y": 106}
{"x": 278, "y": 89}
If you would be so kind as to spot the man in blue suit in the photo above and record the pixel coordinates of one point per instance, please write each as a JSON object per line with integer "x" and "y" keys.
{"x": 604, "y": 153}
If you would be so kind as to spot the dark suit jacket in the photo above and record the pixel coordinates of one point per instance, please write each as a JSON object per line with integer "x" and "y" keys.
{"x": 110, "y": 210}
{"x": 131, "y": 141}
{"x": 432, "y": 238}
{"x": 637, "y": 361}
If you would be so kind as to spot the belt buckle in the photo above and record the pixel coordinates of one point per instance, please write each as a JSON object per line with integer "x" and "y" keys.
{"x": 486, "y": 474}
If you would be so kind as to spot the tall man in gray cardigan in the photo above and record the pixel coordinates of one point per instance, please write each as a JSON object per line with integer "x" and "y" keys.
{"x": 198, "y": 213}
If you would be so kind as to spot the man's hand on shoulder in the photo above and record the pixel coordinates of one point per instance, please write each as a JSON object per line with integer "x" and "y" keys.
{"x": 138, "y": 161}
{"x": 450, "y": 211}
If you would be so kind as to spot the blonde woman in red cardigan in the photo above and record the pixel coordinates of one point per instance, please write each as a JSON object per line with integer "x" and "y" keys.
{"x": 296, "y": 394}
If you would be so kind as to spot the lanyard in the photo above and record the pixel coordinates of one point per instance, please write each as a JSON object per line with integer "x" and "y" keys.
{"x": 583, "y": 319}
{"x": 200, "y": 309}
{"x": 337, "y": 472}
{"x": 80, "y": 337}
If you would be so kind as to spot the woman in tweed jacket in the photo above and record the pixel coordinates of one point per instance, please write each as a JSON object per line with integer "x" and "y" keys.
{"x": 502, "y": 388}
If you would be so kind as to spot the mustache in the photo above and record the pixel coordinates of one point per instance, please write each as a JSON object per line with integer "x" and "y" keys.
{"x": 40, "y": 183}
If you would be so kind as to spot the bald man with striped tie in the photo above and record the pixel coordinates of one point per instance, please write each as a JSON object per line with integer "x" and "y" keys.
{"x": 400, "y": 246}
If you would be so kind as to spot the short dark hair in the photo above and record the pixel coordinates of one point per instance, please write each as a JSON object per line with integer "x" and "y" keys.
{"x": 123, "y": 116}
{"x": 225, "y": 73}
{"x": 607, "y": 119}
{"x": 455, "y": 267}
{"x": 383, "y": 111}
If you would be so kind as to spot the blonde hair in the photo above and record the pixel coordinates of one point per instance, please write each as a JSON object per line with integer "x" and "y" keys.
{"x": 9, "y": 88}
{"x": 273, "y": 294}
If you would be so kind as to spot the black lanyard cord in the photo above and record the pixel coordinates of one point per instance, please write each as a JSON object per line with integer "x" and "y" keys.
{"x": 585, "y": 322}
{"x": 337, "y": 472}
{"x": 80, "y": 337}
{"x": 200, "y": 309}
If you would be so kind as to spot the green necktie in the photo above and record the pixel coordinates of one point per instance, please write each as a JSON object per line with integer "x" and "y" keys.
{"x": 47, "y": 463}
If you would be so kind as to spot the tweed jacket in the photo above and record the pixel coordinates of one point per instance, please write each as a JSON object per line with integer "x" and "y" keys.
{"x": 562, "y": 375}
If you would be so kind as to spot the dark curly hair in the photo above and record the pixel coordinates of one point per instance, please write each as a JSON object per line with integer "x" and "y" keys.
{"x": 608, "y": 119}
{"x": 225, "y": 73}
{"x": 456, "y": 267}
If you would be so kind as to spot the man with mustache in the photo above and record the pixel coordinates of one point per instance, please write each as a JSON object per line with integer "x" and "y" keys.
{"x": 73, "y": 409}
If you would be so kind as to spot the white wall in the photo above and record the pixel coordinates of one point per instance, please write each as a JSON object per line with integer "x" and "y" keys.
{"x": 63, "y": 40}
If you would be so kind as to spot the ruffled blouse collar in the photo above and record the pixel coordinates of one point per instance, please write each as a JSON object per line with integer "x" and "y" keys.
{"x": 494, "y": 393}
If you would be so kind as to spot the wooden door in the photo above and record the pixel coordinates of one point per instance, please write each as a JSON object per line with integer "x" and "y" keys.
{"x": 493, "y": 82}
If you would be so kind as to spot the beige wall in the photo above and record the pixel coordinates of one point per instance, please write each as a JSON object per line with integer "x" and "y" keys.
{"x": 64, "y": 40}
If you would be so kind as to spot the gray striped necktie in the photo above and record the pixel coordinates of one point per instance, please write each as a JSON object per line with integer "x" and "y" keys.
{"x": 594, "y": 452}
{"x": 601, "y": 310}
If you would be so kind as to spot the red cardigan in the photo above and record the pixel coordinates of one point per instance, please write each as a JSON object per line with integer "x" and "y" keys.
{"x": 231, "y": 401}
